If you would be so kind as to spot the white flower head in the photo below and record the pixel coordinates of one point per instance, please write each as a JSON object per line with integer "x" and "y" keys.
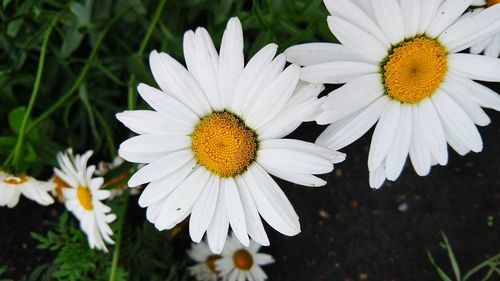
{"x": 205, "y": 269}
{"x": 490, "y": 46}
{"x": 215, "y": 135}
{"x": 83, "y": 198}
{"x": 400, "y": 65}
{"x": 240, "y": 263}
{"x": 11, "y": 188}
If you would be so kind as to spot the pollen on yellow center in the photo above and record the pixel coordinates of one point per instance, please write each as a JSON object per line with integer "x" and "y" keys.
{"x": 223, "y": 144}
{"x": 84, "y": 197}
{"x": 16, "y": 180}
{"x": 242, "y": 259}
{"x": 490, "y": 3}
{"x": 414, "y": 69}
{"x": 210, "y": 262}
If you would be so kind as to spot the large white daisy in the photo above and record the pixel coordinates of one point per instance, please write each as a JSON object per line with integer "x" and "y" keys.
{"x": 83, "y": 198}
{"x": 240, "y": 263}
{"x": 215, "y": 136}
{"x": 400, "y": 64}
{"x": 11, "y": 188}
{"x": 491, "y": 45}
{"x": 204, "y": 270}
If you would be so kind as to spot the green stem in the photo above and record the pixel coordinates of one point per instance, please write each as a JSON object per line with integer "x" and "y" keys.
{"x": 131, "y": 105}
{"x": 119, "y": 235}
{"x": 142, "y": 47}
{"x": 34, "y": 93}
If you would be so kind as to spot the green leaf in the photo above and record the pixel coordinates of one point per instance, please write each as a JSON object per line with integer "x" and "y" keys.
{"x": 16, "y": 118}
{"x": 7, "y": 144}
{"x": 13, "y": 27}
{"x": 451, "y": 256}
{"x": 440, "y": 272}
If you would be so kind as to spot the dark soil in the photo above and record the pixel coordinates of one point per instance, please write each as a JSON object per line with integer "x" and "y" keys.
{"x": 349, "y": 231}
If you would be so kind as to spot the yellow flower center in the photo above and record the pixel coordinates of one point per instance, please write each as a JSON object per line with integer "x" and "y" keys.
{"x": 414, "y": 69}
{"x": 223, "y": 144}
{"x": 210, "y": 262}
{"x": 84, "y": 197}
{"x": 60, "y": 184}
{"x": 15, "y": 180}
{"x": 490, "y": 3}
{"x": 242, "y": 259}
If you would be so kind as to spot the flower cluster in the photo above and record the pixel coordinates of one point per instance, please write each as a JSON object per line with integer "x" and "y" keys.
{"x": 216, "y": 133}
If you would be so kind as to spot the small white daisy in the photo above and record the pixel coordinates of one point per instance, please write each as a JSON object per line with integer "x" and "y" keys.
{"x": 83, "y": 198}
{"x": 240, "y": 263}
{"x": 205, "y": 269}
{"x": 11, "y": 188}
{"x": 491, "y": 45}
{"x": 400, "y": 64}
{"x": 216, "y": 134}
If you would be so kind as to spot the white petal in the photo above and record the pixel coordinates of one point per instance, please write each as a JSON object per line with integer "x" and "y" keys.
{"x": 273, "y": 98}
{"x": 466, "y": 102}
{"x": 160, "y": 188}
{"x": 294, "y": 177}
{"x": 204, "y": 209}
{"x": 294, "y": 161}
{"x": 481, "y": 94}
{"x": 160, "y": 167}
{"x": 271, "y": 202}
{"x": 175, "y": 80}
{"x": 337, "y": 72}
{"x": 428, "y": 9}
{"x": 377, "y": 177}
{"x": 316, "y": 53}
{"x": 465, "y": 33}
{"x": 344, "y": 132}
{"x": 351, "y": 12}
{"x": 170, "y": 108}
{"x": 249, "y": 75}
{"x": 455, "y": 142}
{"x": 231, "y": 60}
{"x": 446, "y": 15}
{"x": 303, "y": 146}
{"x": 475, "y": 67}
{"x": 357, "y": 39}
{"x": 350, "y": 98}
{"x": 457, "y": 120}
{"x": 234, "y": 210}
{"x": 150, "y": 143}
{"x": 390, "y": 19}
{"x": 178, "y": 204}
{"x": 433, "y": 131}
{"x": 411, "y": 15}
{"x": 254, "y": 224}
{"x": 204, "y": 65}
{"x": 219, "y": 225}
{"x": 384, "y": 134}
{"x": 396, "y": 157}
{"x": 144, "y": 122}
{"x": 420, "y": 154}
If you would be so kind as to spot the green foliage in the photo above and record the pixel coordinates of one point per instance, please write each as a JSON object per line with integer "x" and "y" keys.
{"x": 491, "y": 266}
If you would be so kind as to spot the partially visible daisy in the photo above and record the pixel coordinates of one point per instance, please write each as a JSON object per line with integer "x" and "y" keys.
{"x": 240, "y": 263}
{"x": 12, "y": 186}
{"x": 83, "y": 198}
{"x": 205, "y": 269}
{"x": 59, "y": 185}
{"x": 400, "y": 65}
{"x": 118, "y": 180}
{"x": 216, "y": 134}
{"x": 491, "y": 45}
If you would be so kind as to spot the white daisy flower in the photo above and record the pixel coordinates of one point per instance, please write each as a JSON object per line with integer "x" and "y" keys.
{"x": 215, "y": 136}
{"x": 83, "y": 198}
{"x": 205, "y": 269}
{"x": 401, "y": 67}
{"x": 11, "y": 188}
{"x": 491, "y": 45}
{"x": 240, "y": 263}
